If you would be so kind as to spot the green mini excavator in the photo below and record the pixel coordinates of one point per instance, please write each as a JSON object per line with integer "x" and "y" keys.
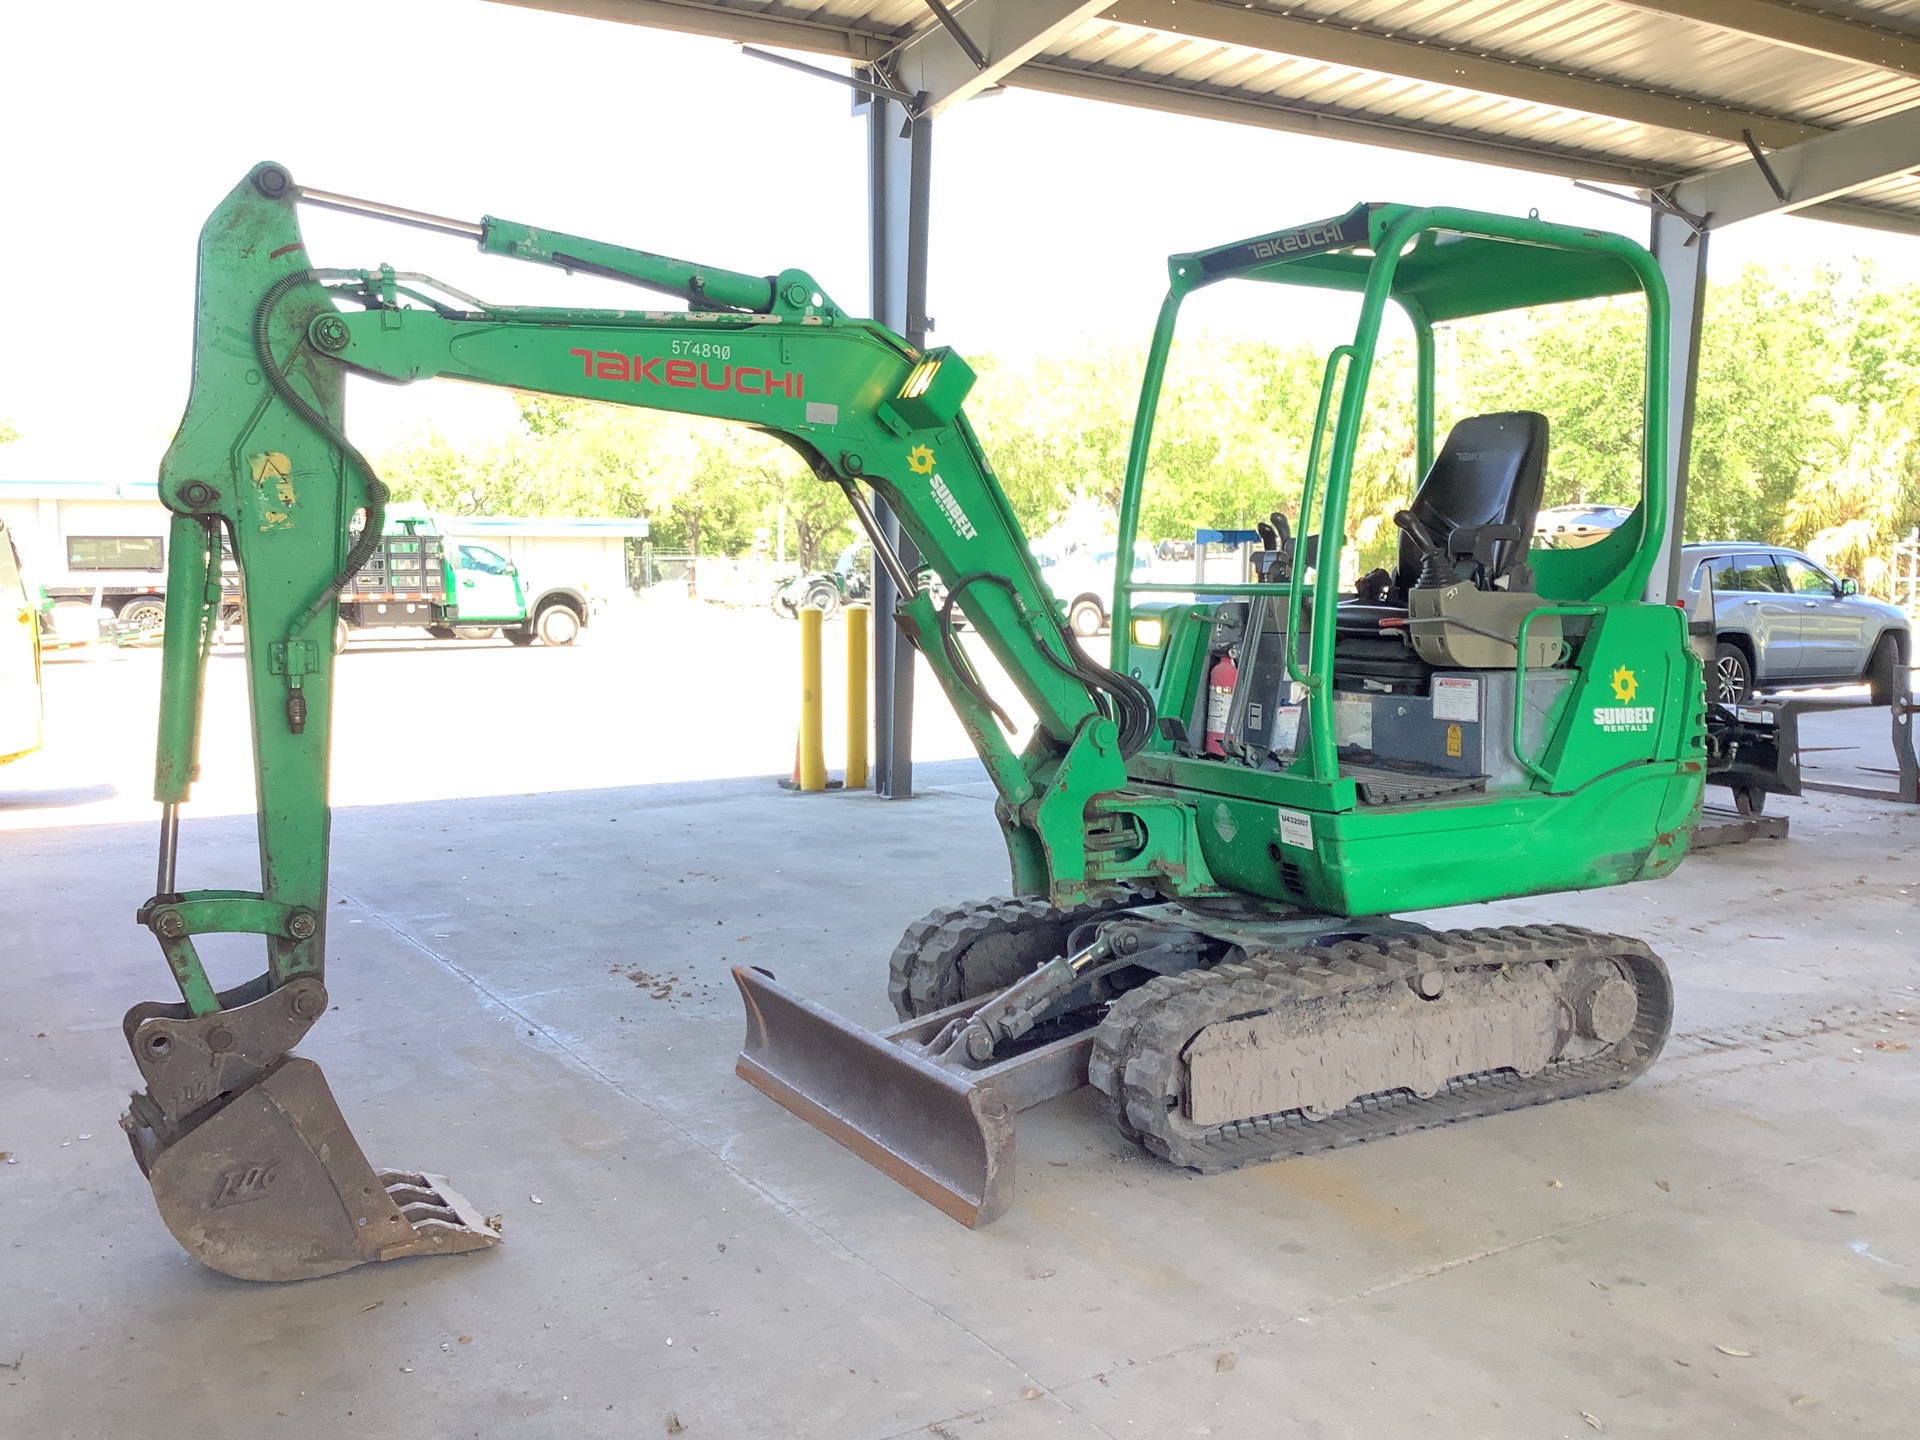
{"x": 1206, "y": 832}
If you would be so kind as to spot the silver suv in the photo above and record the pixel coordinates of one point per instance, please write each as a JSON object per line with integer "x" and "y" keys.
{"x": 1782, "y": 621}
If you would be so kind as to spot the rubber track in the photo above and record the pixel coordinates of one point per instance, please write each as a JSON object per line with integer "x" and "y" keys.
{"x": 923, "y": 974}
{"x": 1139, "y": 1048}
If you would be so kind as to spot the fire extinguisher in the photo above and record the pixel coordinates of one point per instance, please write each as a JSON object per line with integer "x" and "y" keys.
{"x": 1221, "y": 680}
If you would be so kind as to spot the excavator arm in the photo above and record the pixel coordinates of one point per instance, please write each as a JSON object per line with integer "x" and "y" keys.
{"x": 251, "y": 1163}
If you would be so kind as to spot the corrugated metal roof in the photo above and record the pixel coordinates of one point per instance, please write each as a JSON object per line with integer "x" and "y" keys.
{"x": 1641, "y": 92}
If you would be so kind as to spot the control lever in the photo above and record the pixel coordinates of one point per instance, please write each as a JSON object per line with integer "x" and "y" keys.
{"x": 1479, "y": 543}
{"x": 1435, "y": 569}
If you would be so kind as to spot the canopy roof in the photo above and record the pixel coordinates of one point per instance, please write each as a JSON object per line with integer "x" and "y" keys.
{"x": 1463, "y": 263}
{"x": 1646, "y": 93}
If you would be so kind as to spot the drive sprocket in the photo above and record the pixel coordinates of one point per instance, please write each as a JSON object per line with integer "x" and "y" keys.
{"x": 1363, "y": 1031}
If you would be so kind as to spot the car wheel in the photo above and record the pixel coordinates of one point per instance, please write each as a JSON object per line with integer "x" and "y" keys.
{"x": 1732, "y": 675}
{"x": 340, "y": 634}
{"x": 440, "y": 632}
{"x": 144, "y": 614}
{"x": 475, "y": 632}
{"x": 1087, "y": 618}
{"x": 822, "y": 596}
{"x": 522, "y": 638}
{"x": 558, "y": 625}
{"x": 1881, "y": 677}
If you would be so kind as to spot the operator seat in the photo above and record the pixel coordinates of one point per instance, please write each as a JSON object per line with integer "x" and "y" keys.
{"x": 1491, "y": 471}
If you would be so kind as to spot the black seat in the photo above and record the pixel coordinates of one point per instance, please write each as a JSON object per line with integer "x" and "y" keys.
{"x": 1491, "y": 471}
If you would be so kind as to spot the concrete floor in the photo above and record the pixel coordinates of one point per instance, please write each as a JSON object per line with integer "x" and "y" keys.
{"x": 1731, "y": 1246}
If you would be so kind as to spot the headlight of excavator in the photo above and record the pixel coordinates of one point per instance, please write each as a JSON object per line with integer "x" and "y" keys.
{"x": 1147, "y": 631}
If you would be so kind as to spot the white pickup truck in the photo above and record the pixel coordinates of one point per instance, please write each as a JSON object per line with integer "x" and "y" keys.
{"x": 454, "y": 589}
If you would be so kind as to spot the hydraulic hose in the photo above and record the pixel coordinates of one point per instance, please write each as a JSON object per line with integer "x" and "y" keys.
{"x": 377, "y": 492}
{"x": 1121, "y": 698}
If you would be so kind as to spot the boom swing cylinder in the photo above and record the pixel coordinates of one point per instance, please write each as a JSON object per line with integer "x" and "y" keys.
{"x": 1156, "y": 880}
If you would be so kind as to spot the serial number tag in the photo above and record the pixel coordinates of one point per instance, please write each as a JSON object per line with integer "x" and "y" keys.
{"x": 1296, "y": 829}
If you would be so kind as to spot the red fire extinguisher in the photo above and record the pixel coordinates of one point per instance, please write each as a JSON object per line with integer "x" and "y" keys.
{"x": 1220, "y": 683}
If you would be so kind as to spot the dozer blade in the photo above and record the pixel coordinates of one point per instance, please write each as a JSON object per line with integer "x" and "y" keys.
{"x": 272, "y": 1186}
{"x": 945, "y": 1133}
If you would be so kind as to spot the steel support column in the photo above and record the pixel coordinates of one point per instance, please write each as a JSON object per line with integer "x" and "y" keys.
{"x": 1682, "y": 256}
{"x": 899, "y": 155}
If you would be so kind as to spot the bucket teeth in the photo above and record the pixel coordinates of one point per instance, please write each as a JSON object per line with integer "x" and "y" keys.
{"x": 443, "y": 1220}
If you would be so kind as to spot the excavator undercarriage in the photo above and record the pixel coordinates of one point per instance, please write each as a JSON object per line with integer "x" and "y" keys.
{"x": 1220, "y": 1036}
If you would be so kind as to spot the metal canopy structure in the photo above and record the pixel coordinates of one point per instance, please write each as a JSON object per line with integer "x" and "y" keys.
{"x": 1709, "y": 112}
{"x": 1642, "y": 93}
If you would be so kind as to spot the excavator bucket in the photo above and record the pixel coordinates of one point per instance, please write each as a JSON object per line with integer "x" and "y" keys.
{"x": 253, "y": 1167}
{"x": 944, "y": 1131}
{"x": 274, "y": 1187}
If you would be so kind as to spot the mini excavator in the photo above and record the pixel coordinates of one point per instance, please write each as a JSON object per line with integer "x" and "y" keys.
{"x": 1206, "y": 834}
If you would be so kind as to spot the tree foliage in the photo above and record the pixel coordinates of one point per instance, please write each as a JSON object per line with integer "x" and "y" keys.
{"x": 1805, "y": 424}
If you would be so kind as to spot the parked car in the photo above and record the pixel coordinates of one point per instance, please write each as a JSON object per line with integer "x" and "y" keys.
{"x": 1082, "y": 580}
{"x": 19, "y": 657}
{"x": 1569, "y": 527}
{"x": 1781, "y": 621}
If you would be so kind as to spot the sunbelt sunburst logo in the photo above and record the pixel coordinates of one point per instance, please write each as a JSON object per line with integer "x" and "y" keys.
{"x": 1626, "y": 717}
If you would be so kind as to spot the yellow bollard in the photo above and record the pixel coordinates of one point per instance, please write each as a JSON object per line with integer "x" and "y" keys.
{"x": 857, "y": 696}
{"x": 813, "y": 755}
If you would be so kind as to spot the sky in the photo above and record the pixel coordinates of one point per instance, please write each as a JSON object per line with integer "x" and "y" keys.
{"x": 127, "y": 122}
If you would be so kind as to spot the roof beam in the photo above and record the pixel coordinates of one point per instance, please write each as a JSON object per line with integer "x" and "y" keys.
{"x": 1335, "y": 44}
{"x": 1005, "y": 33}
{"x": 1810, "y": 173}
{"x": 792, "y": 30}
{"x": 1272, "y": 112}
{"x": 1830, "y": 36}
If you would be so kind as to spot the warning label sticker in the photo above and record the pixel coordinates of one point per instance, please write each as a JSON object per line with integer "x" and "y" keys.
{"x": 1456, "y": 697}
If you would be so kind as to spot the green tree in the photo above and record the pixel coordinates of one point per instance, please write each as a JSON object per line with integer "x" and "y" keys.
{"x": 1805, "y": 418}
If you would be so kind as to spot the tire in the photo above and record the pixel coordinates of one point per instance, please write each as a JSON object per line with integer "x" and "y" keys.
{"x": 521, "y": 638}
{"x": 1732, "y": 680}
{"x": 558, "y": 625}
{"x": 1881, "y": 666}
{"x": 143, "y": 614}
{"x": 475, "y": 632}
{"x": 822, "y": 596}
{"x": 340, "y": 633}
{"x": 782, "y": 606}
{"x": 440, "y": 632}
{"x": 1087, "y": 617}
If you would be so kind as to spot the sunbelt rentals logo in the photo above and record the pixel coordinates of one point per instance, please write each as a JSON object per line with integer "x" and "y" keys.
{"x": 1626, "y": 718}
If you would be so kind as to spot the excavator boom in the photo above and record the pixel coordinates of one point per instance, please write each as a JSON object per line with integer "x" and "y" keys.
{"x": 262, "y": 458}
